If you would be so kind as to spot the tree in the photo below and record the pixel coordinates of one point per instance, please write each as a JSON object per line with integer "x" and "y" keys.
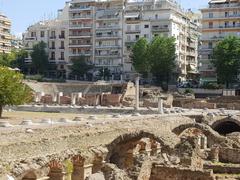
{"x": 139, "y": 56}
{"x": 39, "y": 58}
{"x": 12, "y": 89}
{"x": 162, "y": 57}
{"x": 19, "y": 61}
{"x": 226, "y": 59}
{"x": 80, "y": 66}
{"x": 7, "y": 58}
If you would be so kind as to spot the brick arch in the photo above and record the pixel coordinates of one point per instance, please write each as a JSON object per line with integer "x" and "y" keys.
{"x": 226, "y": 125}
{"x": 128, "y": 137}
{"x": 212, "y": 136}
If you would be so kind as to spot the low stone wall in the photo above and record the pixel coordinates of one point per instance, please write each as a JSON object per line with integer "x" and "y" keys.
{"x": 168, "y": 173}
{"x": 229, "y": 155}
{"x": 111, "y": 99}
{"x": 223, "y": 169}
{"x": 193, "y": 103}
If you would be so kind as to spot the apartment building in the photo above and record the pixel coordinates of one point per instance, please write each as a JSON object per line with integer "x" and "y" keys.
{"x": 220, "y": 19}
{"x": 150, "y": 18}
{"x": 55, "y": 34}
{"x": 96, "y": 32}
{"x": 5, "y": 36}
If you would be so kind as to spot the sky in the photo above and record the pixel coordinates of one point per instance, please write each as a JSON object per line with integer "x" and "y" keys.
{"x": 23, "y": 13}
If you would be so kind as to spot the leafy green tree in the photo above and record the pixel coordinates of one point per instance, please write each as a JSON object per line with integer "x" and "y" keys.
{"x": 80, "y": 66}
{"x": 226, "y": 59}
{"x": 162, "y": 57}
{"x": 7, "y": 58}
{"x": 105, "y": 73}
{"x": 12, "y": 89}
{"x": 19, "y": 61}
{"x": 139, "y": 56}
{"x": 39, "y": 58}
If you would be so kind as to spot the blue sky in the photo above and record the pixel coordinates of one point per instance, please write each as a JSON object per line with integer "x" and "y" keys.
{"x": 26, "y": 12}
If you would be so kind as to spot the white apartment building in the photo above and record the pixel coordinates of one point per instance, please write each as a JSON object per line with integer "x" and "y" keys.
{"x": 55, "y": 34}
{"x": 96, "y": 32}
{"x": 5, "y": 36}
{"x": 103, "y": 31}
{"x": 220, "y": 19}
{"x": 150, "y": 18}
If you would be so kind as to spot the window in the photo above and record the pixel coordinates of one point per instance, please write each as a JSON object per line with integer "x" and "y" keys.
{"x": 62, "y": 44}
{"x": 234, "y": 24}
{"x": 146, "y": 35}
{"x": 226, "y": 24}
{"x": 137, "y": 27}
{"x": 129, "y": 27}
{"x": 209, "y": 56}
{"x": 52, "y": 55}
{"x": 156, "y": 16}
{"x": 210, "y": 15}
{"x": 62, "y": 34}
{"x": 137, "y": 37}
{"x": 42, "y": 33}
{"x": 53, "y": 34}
{"x": 146, "y": 26}
{"x": 210, "y": 45}
{"x": 235, "y": 13}
{"x": 128, "y": 38}
{"x": 53, "y": 45}
{"x": 33, "y": 34}
{"x": 62, "y": 55}
{"x": 226, "y": 14}
{"x": 210, "y": 24}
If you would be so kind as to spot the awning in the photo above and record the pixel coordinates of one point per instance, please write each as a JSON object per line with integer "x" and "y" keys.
{"x": 132, "y": 15}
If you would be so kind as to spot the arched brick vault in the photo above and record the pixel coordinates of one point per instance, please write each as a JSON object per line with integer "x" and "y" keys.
{"x": 226, "y": 125}
{"x": 134, "y": 137}
{"x": 212, "y": 136}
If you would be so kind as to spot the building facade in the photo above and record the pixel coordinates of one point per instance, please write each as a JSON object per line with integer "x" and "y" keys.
{"x": 54, "y": 33}
{"x": 96, "y": 32}
{"x": 220, "y": 19}
{"x": 103, "y": 31}
{"x": 5, "y": 35}
{"x": 150, "y": 18}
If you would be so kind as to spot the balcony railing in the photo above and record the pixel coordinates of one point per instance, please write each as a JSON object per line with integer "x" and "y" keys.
{"x": 81, "y": 34}
{"x": 108, "y": 27}
{"x": 82, "y": 17}
{"x": 61, "y": 36}
{"x": 222, "y": 27}
{"x": 77, "y": 8}
{"x": 78, "y": 26}
{"x": 52, "y": 37}
{"x": 162, "y": 29}
{"x": 107, "y": 36}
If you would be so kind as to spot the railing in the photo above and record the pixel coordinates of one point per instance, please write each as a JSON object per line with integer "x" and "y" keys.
{"x": 222, "y": 17}
{"x": 107, "y": 36}
{"x": 61, "y": 36}
{"x": 80, "y": 26}
{"x": 52, "y": 37}
{"x": 163, "y": 29}
{"x": 107, "y": 27}
{"x": 222, "y": 27}
{"x": 82, "y": 34}
{"x": 81, "y": 17}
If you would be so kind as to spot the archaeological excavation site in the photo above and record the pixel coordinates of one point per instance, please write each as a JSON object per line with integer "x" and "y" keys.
{"x": 106, "y": 132}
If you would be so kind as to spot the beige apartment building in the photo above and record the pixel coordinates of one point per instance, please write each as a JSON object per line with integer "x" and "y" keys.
{"x": 150, "y": 18}
{"x": 96, "y": 31}
{"x": 5, "y": 35}
{"x": 55, "y": 34}
{"x": 220, "y": 19}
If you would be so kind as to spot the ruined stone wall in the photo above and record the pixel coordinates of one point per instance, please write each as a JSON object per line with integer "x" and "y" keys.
{"x": 169, "y": 173}
{"x": 230, "y": 155}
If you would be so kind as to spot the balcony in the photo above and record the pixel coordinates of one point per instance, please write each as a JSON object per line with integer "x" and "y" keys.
{"x": 80, "y": 26}
{"x": 61, "y": 47}
{"x": 87, "y": 53}
{"x": 133, "y": 31}
{"x": 30, "y": 38}
{"x": 237, "y": 26}
{"x": 52, "y": 37}
{"x": 108, "y": 18}
{"x": 61, "y": 36}
{"x": 81, "y": 35}
{"x": 105, "y": 36}
{"x": 109, "y": 55}
{"x": 80, "y": 45}
{"x": 108, "y": 47}
{"x": 160, "y": 29}
{"x": 52, "y": 48}
{"x": 80, "y": 8}
{"x": 214, "y": 38}
{"x": 81, "y": 17}
{"x": 99, "y": 28}
{"x": 222, "y": 17}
